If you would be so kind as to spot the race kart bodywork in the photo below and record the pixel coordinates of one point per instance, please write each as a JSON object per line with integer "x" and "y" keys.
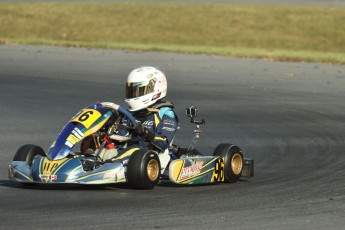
{"x": 96, "y": 128}
{"x": 67, "y": 170}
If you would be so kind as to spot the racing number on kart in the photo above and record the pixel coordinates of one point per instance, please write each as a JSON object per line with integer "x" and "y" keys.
{"x": 87, "y": 117}
{"x": 83, "y": 117}
{"x": 219, "y": 170}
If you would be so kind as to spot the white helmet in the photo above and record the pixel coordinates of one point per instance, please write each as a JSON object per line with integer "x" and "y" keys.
{"x": 145, "y": 85}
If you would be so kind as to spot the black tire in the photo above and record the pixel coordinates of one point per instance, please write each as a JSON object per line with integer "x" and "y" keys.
{"x": 233, "y": 163}
{"x": 143, "y": 170}
{"x": 27, "y": 153}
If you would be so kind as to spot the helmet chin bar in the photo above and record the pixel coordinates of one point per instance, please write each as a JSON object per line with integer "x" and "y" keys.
{"x": 144, "y": 102}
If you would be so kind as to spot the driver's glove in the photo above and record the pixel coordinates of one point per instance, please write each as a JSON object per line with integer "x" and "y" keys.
{"x": 140, "y": 130}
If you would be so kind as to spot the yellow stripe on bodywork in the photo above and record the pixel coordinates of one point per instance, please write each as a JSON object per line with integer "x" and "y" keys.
{"x": 94, "y": 174}
{"x": 60, "y": 166}
{"x": 39, "y": 165}
{"x": 23, "y": 176}
{"x": 71, "y": 172}
{"x": 209, "y": 163}
{"x": 178, "y": 170}
{"x": 126, "y": 154}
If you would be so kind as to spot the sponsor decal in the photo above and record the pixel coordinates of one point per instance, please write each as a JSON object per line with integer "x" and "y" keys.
{"x": 49, "y": 166}
{"x": 121, "y": 174}
{"x": 116, "y": 176}
{"x": 169, "y": 129}
{"x": 156, "y": 96}
{"x": 53, "y": 177}
{"x": 162, "y": 81}
{"x": 46, "y": 178}
{"x": 169, "y": 122}
{"x": 148, "y": 124}
{"x": 79, "y": 134}
{"x": 191, "y": 170}
{"x": 69, "y": 144}
{"x": 74, "y": 138}
{"x": 109, "y": 175}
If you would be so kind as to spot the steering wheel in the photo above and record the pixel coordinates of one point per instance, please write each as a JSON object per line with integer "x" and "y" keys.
{"x": 120, "y": 109}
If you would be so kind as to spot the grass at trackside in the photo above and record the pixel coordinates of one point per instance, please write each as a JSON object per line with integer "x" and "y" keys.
{"x": 306, "y": 33}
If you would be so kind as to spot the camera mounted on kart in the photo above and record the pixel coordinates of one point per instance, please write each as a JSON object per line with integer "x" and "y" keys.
{"x": 192, "y": 113}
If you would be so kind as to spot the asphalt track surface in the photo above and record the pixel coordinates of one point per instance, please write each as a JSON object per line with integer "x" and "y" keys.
{"x": 289, "y": 117}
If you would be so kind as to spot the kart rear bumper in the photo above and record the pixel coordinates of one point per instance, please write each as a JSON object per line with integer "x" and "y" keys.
{"x": 248, "y": 168}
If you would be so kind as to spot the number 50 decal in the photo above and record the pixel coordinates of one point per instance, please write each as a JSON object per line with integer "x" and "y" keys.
{"x": 87, "y": 117}
{"x": 219, "y": 170}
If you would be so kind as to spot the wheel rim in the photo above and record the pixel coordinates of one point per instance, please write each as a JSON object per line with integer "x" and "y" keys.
{"x": 236, "y": 163}
{"x": 153, "y": 170}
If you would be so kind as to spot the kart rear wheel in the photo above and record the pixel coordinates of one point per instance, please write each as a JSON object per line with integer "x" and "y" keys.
{"x": 143, "y": 170}
{"x": 27, "y": 153}
{"x": 233, "y": 161}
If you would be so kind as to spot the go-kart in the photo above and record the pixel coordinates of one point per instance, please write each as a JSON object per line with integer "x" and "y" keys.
{"x": 96, "y": 129}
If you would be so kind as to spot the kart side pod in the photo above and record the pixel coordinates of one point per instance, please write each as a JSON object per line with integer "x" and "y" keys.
{"x": 205, "y": 169}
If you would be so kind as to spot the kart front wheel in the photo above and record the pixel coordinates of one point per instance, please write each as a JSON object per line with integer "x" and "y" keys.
{"x": 233, "y": 161}
{"x": 27, "y": 153}
{"x": 143, "y": 170}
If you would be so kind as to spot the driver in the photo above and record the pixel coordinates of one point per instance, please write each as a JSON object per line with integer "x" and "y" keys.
{"x": 146, "y": 87}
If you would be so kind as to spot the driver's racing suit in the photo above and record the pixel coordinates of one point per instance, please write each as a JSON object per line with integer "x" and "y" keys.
{"x": 160, "y": 122}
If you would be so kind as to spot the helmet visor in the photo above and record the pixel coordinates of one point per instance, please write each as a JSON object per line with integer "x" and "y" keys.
{"x": 138, "y": 89}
